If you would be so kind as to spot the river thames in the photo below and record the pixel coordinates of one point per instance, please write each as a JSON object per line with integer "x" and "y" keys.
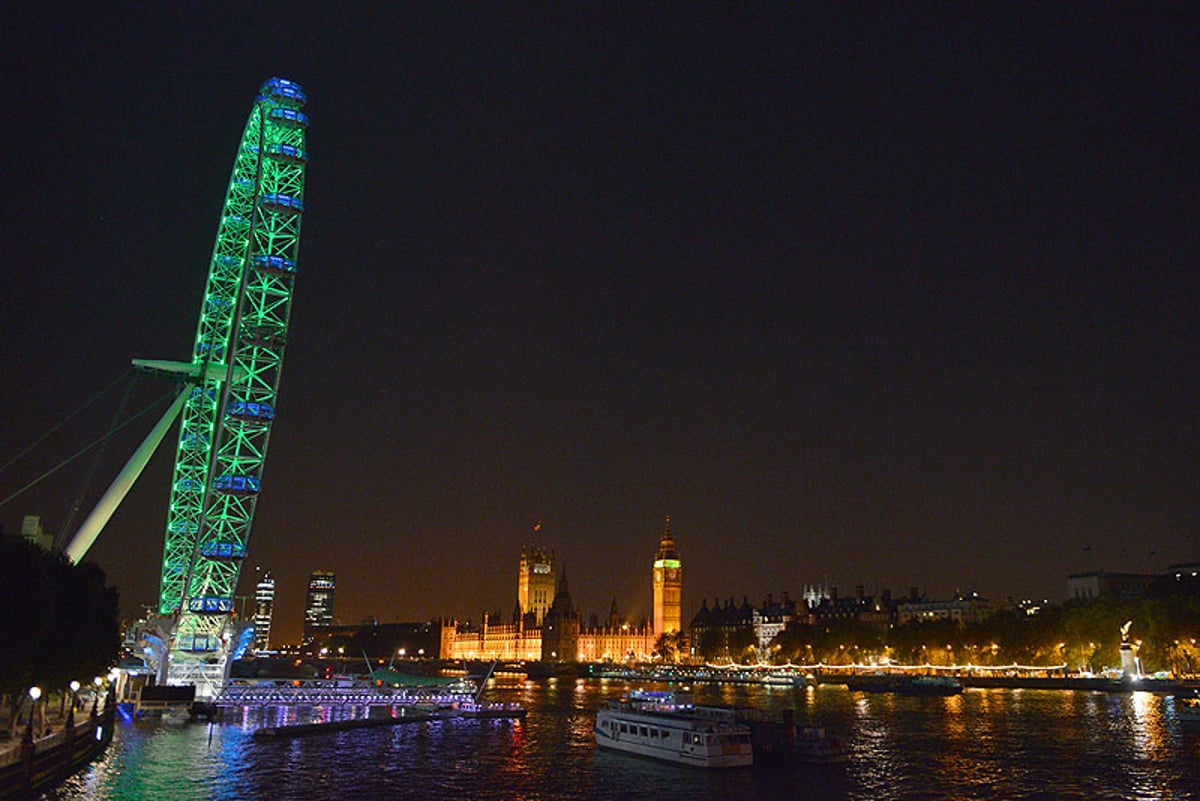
{"x": 993, "y": 744}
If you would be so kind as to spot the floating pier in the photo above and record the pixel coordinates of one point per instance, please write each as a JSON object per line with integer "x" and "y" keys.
{"x": 356, "y": 703}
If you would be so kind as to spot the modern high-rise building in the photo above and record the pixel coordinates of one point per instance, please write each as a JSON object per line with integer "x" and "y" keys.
{"x": 668, "y": 585}
{"x": 264, "y": 608}
{"x": 318, "y": 607}
{"x": 535, "y": 582}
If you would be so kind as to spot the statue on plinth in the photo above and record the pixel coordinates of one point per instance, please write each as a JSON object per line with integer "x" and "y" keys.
{"x": 1130, "y": 667}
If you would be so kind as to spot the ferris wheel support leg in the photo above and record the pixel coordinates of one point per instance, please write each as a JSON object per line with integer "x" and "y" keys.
{"x": 91, "y": 528}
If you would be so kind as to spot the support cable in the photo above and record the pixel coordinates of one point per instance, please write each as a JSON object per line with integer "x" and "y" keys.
{"x": 64, "y": 421}
{"x": 85, "y": 449}
{"x": 64, "y": 533}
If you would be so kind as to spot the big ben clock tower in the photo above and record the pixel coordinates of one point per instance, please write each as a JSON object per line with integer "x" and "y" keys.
{"x": 668, "y": 584}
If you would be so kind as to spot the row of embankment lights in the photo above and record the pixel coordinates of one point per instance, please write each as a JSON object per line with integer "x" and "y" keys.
{"x": 35, "y": 693}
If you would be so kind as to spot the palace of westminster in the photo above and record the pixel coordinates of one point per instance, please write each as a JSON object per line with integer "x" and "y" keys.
{"x": 546, "y": 625}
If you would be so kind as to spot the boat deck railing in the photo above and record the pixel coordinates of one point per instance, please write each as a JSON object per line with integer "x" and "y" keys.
{"x": 326, "y": 693}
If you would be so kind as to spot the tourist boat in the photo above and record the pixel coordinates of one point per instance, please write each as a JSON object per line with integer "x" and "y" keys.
{"x": 815, "y": 747}
{"x": 667, "y": 726}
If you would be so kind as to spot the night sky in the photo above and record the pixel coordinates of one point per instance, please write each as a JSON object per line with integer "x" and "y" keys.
{"x": 856, "y": 297}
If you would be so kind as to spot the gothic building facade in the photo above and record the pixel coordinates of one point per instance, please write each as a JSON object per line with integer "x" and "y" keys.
{"x": 547, "y": 626}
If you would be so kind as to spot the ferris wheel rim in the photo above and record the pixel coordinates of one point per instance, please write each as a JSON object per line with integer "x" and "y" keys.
{"x": 240, "y": 342}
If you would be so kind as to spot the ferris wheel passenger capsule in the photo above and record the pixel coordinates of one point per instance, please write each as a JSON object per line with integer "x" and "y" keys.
{"x": 243, "y": 486}
{"x": 289, "y": 117}
{"x": 274, "y": 265}
{"x": 283, "y": 92}
{"x": 223, "y": 551}
{"x": 250, "y": 411}
{"x": 283, "y": 204}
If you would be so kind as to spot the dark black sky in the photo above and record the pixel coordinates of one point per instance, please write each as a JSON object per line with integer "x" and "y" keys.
{"x": 898, "y": 299}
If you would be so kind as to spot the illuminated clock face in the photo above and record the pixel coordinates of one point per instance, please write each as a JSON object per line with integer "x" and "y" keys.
{"x": 672, "y": 575}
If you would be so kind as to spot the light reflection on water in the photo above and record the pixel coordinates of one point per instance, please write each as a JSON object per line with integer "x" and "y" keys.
{"x": 982, "y": 744}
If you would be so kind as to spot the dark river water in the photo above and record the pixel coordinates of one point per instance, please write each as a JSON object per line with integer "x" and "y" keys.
{"x": 993, "y": 744}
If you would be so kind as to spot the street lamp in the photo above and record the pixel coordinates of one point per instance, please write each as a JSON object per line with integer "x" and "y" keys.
{"x": 74, "y": 685}
{"x": 34, "y": 694}
{"x": 114, "y": 676}
{"x": 96, "y": 696}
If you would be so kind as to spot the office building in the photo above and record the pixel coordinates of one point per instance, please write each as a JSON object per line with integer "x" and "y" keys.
{"x": 264, "y": 608}
{"x": 318, "y": 606}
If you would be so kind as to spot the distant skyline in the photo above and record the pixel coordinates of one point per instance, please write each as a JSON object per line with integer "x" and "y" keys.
{"x": 859, "y": 296}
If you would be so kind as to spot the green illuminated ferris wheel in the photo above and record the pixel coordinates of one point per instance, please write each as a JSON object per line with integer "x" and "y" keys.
{"x": 227, "y": 413}
{"x": 227, "y": 404}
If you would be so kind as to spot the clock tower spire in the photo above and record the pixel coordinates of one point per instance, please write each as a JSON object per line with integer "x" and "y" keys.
{"x": 668, "y": 584}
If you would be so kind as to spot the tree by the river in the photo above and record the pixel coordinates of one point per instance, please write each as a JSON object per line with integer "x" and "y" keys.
{"x": 59, "y": 623}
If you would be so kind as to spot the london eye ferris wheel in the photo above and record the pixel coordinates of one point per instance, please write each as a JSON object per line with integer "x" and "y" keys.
{"x": 227, "y": 403}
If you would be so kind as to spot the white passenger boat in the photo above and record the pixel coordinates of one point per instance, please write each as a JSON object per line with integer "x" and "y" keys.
{"x": 667, "y": 726}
